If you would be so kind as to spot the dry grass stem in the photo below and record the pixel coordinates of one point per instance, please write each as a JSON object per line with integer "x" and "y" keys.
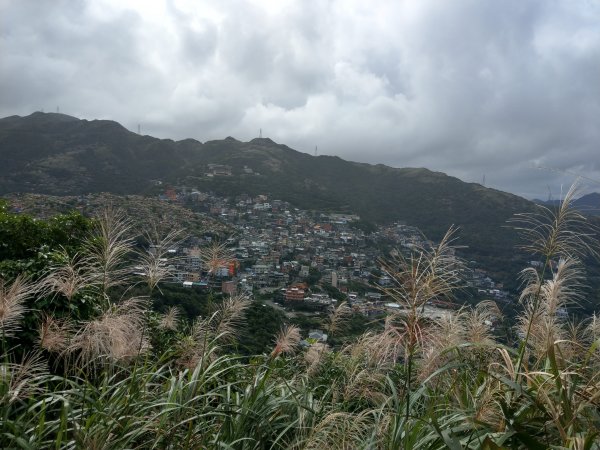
{"x": 12, "y": 303}
{"x": 117, "y": 335}
{"x": 226, "y": 322}
{"x": 107, "y": 249}
{"x": 170, "y": 320}
{"x": 54, "y": 334}
{"x": 340, "y": 430}
{"x": 563, "y": 232}
{"x": 153, "y": 260}
{"x": 69, "y": 278}
{"x": 23, "y": 380}
{"x": 338, "y": 317}
{"x": 215, "y": 256}
{"x": 314, "y": 357}
{"x": 287, "y": 341}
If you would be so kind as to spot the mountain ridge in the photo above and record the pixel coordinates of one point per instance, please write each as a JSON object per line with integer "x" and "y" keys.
{"x": 588, "y": 204}
{"x": 57, "y": 154}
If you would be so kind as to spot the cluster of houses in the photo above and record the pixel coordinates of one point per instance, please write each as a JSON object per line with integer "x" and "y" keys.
{"x": 277, "y": 248}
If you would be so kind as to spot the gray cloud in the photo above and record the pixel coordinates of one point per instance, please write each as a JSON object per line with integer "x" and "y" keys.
{"x": 470, "y": 87}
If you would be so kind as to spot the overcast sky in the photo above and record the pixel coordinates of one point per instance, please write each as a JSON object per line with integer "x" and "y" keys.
{"x": 472, "y": 88}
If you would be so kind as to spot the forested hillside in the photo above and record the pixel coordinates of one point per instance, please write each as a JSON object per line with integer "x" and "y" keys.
{"x": 59, "y": 154}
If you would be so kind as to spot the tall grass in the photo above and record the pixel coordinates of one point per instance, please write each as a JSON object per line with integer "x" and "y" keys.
{"x": 418, "y": 383}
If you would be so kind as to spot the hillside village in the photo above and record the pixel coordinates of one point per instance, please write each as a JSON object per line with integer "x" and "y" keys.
{"x": 303, "y": 259}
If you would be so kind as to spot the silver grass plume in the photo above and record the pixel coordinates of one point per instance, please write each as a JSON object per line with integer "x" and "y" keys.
{"x": 287, "y": 341}
{"x": 228, "y": 319}
{"x": 170, "y": 320}
{"x": 215, "y": 256}
{"x": 446, "y": 333}
{"x": 24, "y": 379}
{"x": 542, "y": 301}
{"x": 424, "y": 275}
{"x": 54, "y": 334}
{"x": 313, "y": 357}
{"x": 338, "y": 317}
{"x": 592, "y": 336}
{"x": 152, "y": 261}
{"x": 340, "y": 430}
{"x": 116, "y": 336}
{"x": 67, "y": 278}
{"x": 560, "y": 233}
{"x": 365, "y": 384}
{"x": 12, "y": 303}
{"x": 207, "y": 334}
{"x": 107, "y": 249}
{"x": 478, "y": 321}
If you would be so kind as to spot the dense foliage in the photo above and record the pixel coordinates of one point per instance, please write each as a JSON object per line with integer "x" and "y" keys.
{"x": 126, "y": 377}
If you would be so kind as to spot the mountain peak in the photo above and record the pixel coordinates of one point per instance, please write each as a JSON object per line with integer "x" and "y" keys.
{"x": 263, "y": 141}
{"x": 107, "y": 125}
{"x": 38, "y": 120}
{"x": 48, "y": 117}
{"x": 589, "y": 203}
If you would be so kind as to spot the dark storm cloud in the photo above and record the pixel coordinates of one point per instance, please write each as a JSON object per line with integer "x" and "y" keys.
{"x": 469, "y": 87}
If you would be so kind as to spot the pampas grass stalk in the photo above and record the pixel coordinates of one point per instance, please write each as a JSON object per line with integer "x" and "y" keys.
{"x": 54, "y": 334}
{"x": 153, "y": 261}
{"x": 170, "y": 320}
{"x": 67, "y": 278}
{"x": 12, "y": 304}
{"x": 107, "y": 248}
{"x": 215, "y": 256}
{"x": 117, "y": 335}
{"x": 564, "y": 234}
{"x": 287, "y": 341}
{"x": 425, "y": 275}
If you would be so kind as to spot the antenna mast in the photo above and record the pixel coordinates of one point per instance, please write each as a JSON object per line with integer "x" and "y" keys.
{"x": 260, "y": 133}
{"x": 315, "y": 150}
{"x": 139, "y": 129}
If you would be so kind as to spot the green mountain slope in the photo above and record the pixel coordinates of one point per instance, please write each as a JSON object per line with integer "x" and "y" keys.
{"x": 59, "y": 154}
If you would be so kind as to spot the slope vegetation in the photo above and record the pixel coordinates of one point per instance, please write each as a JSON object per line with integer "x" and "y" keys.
{"x": 62, "y": 155}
